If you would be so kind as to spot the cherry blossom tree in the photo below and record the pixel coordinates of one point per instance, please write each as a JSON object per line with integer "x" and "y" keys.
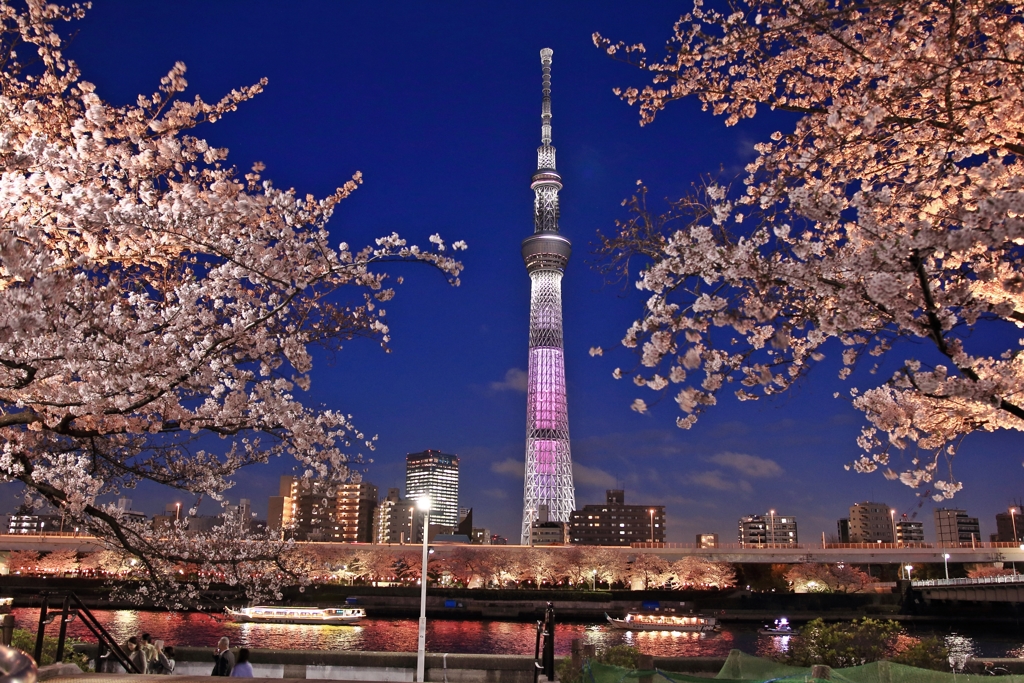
{"x": 59, "y": 562}
{"x": 827, "y": 578}
{"x": 694, "y": 571}
{"x": 22, "y": 561}
{"x": 151, "y": 297}
{"x": 649, "y": 571}
{"x": 887, "y": 221}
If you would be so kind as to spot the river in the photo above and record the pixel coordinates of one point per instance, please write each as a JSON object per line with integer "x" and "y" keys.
{"x": 471, "y": 636}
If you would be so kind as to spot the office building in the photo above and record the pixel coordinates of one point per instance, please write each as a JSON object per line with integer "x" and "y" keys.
{"x": 955, "y": 527}
{"x": 843, "y": 529}
{"x": 769, "y": 529}
{"x": 435, "y": 474}
{"x": 33, "y": 524}
{"x": 546, "y": 532}
{"x": 1009, "y": 526}
{"x": 616, "y": 523}
{"x": 871, "y": 523}
{"x": 707, "y": 540}
{"x": 909, "y": 531}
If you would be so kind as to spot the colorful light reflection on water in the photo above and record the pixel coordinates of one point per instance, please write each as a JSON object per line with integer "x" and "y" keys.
{"x": 456, "y": 636}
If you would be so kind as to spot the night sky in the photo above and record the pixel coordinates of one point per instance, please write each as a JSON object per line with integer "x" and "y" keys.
{"x": 438, "y": 104}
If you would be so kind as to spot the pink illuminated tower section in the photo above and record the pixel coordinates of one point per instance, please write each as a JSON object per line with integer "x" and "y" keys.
{"x": 548, "y": 461}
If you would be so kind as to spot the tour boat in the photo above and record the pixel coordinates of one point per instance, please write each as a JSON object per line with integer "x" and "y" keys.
{"x": 298, "y": 615}
{"x": 662, "y": 621}
{"x": 781, "y": 628}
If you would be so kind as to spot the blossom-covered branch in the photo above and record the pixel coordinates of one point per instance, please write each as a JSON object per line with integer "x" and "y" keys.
{"x": 151, "y": 295}
{"x": 892, "y": 210}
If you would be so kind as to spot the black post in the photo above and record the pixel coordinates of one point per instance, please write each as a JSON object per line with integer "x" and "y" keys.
{"x": 59, "y": 657}
{"x": 42, "y": 629}
{"x": 7, "y": 624}
{"x": 549, "y": 642}
{"x": 536, "y": 653}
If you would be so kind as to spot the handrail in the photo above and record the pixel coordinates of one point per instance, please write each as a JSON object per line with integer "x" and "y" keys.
{"x": 980, "y": 581}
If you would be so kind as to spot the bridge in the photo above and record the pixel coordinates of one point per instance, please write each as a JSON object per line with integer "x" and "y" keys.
{"x": 987, "y": 589}
{"x": 852, "y": 553}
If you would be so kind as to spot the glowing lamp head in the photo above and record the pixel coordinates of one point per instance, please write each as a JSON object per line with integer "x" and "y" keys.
{"x": 423, "y": 503}
{"x": 945, "y": 556}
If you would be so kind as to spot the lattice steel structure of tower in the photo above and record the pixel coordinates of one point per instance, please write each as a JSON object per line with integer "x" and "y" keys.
{"x": 548, "y": 461}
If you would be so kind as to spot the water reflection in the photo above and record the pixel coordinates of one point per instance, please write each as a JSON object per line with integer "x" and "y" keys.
{"x": 456, "y": 636}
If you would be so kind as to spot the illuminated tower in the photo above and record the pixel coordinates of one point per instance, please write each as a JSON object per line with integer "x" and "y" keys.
{"x": 548, "y": 462}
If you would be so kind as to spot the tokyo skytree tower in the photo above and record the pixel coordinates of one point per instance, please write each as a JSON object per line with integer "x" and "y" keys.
{"x": 548, "y": 462}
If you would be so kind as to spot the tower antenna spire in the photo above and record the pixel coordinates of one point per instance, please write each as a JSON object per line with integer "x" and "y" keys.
{"x": 548, "y": 482}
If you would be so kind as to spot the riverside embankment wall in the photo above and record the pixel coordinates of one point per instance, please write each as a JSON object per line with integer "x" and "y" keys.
{"x": 394, "y": 666}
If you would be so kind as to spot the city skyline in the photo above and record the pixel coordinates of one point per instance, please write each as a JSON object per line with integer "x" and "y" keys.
{"x": 444, "y": 142}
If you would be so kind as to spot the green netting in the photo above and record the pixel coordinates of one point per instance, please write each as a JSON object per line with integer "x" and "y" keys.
{"x": 743, "y": 668}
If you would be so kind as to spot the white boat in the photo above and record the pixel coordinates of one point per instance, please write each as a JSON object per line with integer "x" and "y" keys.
{"x": 337, "y": 616}
{"x": 781, "y": 628}
{"x": 664, "y": 621}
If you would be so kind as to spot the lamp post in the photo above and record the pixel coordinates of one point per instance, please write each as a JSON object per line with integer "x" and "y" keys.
{"x": 421, "y": 641}
{"x": 652, "y": 524}
{"x": 771, "y": 516}
{"x": 593, "y": 580}
{"x": 892, "y": 513}
{"x": 945, "y": 564}
{"x": 1013, "y": 521}
{"x": 908, "y": 568}
{"x": 177, "y": 512}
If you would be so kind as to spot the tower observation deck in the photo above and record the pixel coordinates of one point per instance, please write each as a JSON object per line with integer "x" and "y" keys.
{"x": 546, "y": 253}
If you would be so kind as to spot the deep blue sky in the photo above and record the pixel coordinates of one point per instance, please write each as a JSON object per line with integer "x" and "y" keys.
{"x": 438, "y": 104}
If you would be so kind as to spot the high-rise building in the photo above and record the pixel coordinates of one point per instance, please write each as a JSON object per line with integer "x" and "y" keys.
{"x": 435, "y": 474}
{"x": 770, "y": 529}
{"x": 397, "y": 520}
{"x": 322, "y": 511}
{"x": 355, "y": 504}
{"x": 616, "y": 523}
{"x": 548, "y": 478}
{"x": 954, "y": 526}
{"x": 871, "y": 523}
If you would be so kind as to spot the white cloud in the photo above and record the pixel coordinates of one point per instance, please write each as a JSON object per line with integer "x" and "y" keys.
{"x": 515, "y": 380}
{"x": 747, "y": 465}
{"x": 715, "y": 479}
{"x": 591, "y": 476}
{"x": 509, "y": 467}
{"x": 496, "y": 493}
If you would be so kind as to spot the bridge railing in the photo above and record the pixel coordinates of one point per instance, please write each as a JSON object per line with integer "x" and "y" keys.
{"x": 1011, "y": 578}
{"x": 909, "y": 545}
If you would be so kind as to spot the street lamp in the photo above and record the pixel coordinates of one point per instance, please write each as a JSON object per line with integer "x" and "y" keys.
{"x": 945, "y": 563}
{"x": 593, "y": 581}
{"x": 1013, "y": 521}
{"x": 892, "y": 513}
{"x": 177, "y": 512}
{"x": 652, "y": 524}
{"x": 421, "y": 641}
{"x": 771, "y": 515}
{"x": 908, "y": 568}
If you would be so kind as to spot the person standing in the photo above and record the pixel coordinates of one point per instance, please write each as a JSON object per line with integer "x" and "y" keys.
{"x": 149, "y": 650}
{"x": 243, "y": 669}
{"x": 223, "y": 658}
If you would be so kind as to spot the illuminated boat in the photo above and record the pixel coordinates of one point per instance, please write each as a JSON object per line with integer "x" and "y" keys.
{"x": 662, "y": 621}
{"x": 298, "y": 615}
{"x": 781, "y": 628}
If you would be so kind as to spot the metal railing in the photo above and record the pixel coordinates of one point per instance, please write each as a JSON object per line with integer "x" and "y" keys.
{"x": 909, "y": 545}
{"x": 1012, "y": 578}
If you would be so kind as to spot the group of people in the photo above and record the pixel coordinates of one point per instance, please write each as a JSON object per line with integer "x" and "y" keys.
{"x": 149, "y": 656}
{"x": 152, "y": 657}
{"x": 225, "y": 664}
